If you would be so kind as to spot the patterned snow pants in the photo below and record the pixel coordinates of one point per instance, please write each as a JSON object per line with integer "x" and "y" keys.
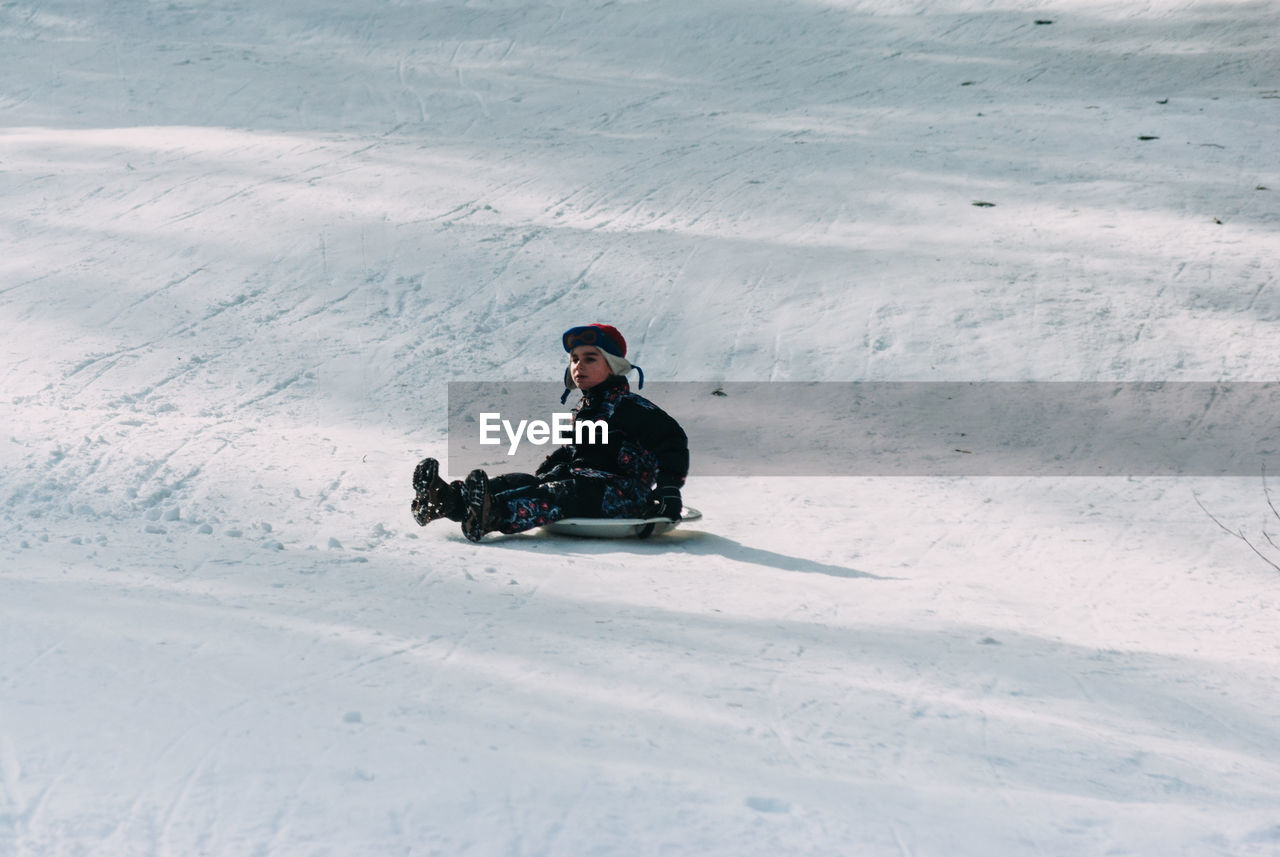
{"x": 522, "y": 501}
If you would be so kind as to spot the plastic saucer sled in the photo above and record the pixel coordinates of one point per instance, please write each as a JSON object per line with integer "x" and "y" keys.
{"x": 620, "y": 528}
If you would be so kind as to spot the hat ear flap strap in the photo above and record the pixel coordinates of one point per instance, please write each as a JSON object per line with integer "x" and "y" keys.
{"x": 568, "y": 386}
{"x": 640, "y": 381}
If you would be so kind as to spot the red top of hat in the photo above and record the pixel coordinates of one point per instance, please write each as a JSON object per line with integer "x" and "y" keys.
{"x": 603, "y": 336}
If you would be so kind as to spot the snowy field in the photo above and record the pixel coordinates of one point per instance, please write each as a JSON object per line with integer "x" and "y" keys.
{"x": 247, "y": 245}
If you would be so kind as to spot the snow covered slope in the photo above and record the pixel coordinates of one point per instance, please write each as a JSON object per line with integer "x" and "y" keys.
{"x": 247, "y": 245}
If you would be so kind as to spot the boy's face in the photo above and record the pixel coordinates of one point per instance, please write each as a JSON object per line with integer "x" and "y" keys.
{"x": 587, "y": 366}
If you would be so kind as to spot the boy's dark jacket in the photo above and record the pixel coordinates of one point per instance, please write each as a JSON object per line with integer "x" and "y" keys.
{"x": 645, "y": 443}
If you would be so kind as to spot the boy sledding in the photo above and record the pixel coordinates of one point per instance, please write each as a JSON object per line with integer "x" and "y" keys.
{"x": 635, "y": 469}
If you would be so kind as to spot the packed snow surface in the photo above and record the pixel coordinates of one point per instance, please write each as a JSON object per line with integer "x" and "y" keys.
{"x": 247, "y": 245}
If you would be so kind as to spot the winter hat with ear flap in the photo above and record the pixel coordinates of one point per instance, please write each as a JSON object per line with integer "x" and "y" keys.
{"x": 609, "y": 342}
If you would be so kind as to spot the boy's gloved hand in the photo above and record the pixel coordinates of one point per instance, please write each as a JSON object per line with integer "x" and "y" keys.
{"x": 554, "y": 460}
{"x": 665, "y": 502}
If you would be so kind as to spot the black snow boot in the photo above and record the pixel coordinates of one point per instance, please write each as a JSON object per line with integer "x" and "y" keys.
{"x": 475, "y": 522}
{"x": 435, "y": 498}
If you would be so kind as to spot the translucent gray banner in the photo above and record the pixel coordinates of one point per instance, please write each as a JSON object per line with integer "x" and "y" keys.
{"x": 908, "y": 428}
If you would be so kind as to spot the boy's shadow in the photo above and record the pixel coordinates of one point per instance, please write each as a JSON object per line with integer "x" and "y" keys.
{"x": 687, "y": 541}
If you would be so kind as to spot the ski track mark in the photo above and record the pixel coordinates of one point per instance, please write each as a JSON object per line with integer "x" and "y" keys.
{"x": 183, "y": 796}
{"x": 31, "y": 282}
{"x": 282, "y": 822}
{"x": 903, "y": 849}
{"x": 40, "y": 656}
{"x": 29, "y": 833}
{"x": 14, "y": 804}
{"x": 151, "y": 201}
{"x": 105, "y": 363}
{"x": 150, "y": 294}
{"x": 316, "y": 172}
{"x": 557, "y": 828}
{"x": 276, "y": 389}
{"x": 781, "y": 732}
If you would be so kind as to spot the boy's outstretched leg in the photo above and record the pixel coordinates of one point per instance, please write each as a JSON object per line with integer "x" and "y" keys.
{"x": 434, "y": 498}
{"x": 475, "y": 521}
